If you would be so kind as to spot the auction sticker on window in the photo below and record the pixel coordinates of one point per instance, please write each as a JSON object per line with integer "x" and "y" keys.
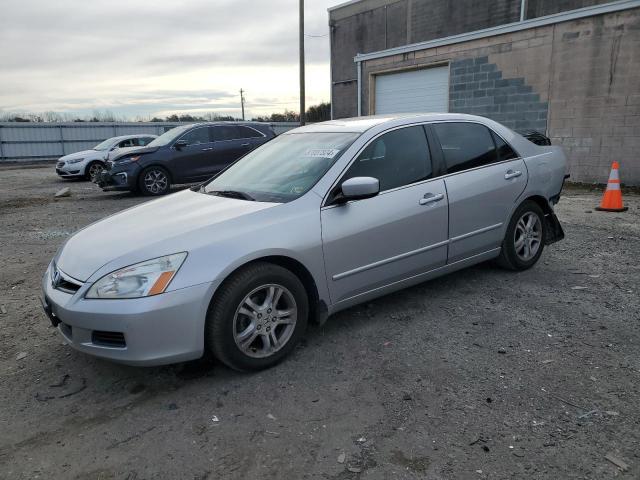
{"x": 321, "y": 152}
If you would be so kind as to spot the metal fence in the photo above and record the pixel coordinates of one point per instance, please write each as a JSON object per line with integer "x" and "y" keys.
{"x": 44, "y": 141}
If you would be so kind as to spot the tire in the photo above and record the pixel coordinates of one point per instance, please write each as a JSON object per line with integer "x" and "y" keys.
{"x": 154, "y": 181}
{"x": 236, "y": 333}
{"x": 523, "y": 242}
{"x": 92, "y": 169}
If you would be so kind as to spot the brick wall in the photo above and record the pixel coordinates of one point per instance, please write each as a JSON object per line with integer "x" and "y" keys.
{"x": 577, "y": 80}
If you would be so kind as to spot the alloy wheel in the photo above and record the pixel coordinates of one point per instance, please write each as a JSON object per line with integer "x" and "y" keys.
{"x": 528, "y": 236}
{"x": 94, "y": 171}
{"x": 155, "y": 181}
{"x": 265, "y": 320}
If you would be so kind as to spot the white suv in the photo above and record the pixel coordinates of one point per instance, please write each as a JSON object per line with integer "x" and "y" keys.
{"x": 89, "y": 163}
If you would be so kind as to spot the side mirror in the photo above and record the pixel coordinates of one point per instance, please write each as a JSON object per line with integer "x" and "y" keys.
{"x": 359, "y": 188}
{"x": 180, "y": 144}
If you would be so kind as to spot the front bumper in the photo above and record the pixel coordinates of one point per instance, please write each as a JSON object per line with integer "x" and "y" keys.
{"x": 158, "y": 330}
{"x": 118, "y": 178}
{"x": 69, "y": 170}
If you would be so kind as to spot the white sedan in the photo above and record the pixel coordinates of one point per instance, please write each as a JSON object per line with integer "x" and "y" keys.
{"x": 88, "y": 163}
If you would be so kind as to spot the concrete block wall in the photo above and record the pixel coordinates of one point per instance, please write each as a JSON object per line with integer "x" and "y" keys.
{"x": 480, "y": 88}
{"x": 578, "y": 81}
{"x": 594, "y": 95}
{"x": 373, "y": 25}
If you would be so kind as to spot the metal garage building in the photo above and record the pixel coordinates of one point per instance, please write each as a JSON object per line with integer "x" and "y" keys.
{"x": 570, "y": 69}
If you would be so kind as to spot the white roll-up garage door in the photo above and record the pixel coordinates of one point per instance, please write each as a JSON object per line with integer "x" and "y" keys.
{"x": 425, "y": 90}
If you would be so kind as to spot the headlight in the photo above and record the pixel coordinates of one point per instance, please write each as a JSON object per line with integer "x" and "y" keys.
{"x": 140, "y": 280}
{"x": 75, "y": 160}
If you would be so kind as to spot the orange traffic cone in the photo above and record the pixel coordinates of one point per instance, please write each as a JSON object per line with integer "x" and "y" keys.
{"x": 612, "y": 198}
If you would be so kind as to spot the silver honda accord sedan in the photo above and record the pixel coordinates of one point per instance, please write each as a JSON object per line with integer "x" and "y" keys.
{"x": 319, "y": 219}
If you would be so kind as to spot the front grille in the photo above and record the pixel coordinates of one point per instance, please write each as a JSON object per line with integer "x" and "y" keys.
{"x": 108, "y": 339}
{"x": 63, "y": 282}
{"x": 67, "y": 286}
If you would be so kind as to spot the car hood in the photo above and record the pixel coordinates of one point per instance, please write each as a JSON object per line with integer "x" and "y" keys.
{"x": 134, "y": 150}
{"x": 153, "y": 229}
{"x": 82, "y": 154}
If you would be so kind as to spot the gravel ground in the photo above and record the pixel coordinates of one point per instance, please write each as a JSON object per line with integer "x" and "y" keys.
{"x": 480, "y": 374}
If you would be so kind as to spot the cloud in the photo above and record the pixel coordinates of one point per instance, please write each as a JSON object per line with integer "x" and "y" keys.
{"x": 140, "y": 56}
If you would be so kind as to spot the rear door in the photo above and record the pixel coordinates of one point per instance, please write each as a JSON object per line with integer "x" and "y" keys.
{"x": 228, "y": 145}
{"x": 250, "y": 138}
{"x": 484, "y": 179}
{"x": 399, "y": 233}
{"x": 191, "y": 162}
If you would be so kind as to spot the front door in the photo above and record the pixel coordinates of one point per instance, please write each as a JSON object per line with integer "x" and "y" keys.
{"x": 399, "y": 233}
{"x": 191, "y": 162}
{"x": 486, "y": 177}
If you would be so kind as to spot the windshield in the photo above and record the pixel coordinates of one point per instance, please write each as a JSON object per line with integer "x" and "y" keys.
{"x": 167, "y": 137}
{"x": 283, "y": 169}
{"x": 103, "y": 146}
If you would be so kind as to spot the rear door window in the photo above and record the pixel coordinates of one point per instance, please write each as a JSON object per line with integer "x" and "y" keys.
{"x": 144, "y": 141}
{"x": 247, "y": 132}
{"x": 505, "y": 152}
{"x": 224, "y": 133}
{"x": 465, "y": 145}
{"x": 397, "y": 158}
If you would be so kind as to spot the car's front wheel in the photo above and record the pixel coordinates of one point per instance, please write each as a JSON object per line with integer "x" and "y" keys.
{"x": 93, "y": 170}
{"x": 257, "y": 317}
{"x": 524, "y": 240}
{"x": 154, "y": 181}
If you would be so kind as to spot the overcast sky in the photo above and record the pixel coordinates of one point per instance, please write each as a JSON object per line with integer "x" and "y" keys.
{"x": 153, "y": 58}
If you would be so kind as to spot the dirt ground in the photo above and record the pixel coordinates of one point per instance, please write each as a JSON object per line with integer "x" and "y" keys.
{"x": 480, "y": 374}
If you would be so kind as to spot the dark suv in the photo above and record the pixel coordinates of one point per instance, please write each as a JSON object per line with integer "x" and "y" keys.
{"x": 185, "y": 154}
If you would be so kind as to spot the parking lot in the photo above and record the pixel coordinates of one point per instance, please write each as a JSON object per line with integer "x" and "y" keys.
{"x": 480, "y": 374}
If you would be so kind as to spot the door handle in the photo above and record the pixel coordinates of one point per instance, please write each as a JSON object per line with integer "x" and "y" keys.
{"x": 431, "y": 198}
{"x": 245, "y": 144}
{"x": 511, "y": 174}
{"x": 207, "y": 149}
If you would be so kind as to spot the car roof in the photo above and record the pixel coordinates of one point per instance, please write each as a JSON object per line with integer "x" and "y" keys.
{"x": 362, "y": 124}
{"x": 135, "y": 135}
{"x": 222, "y": 122}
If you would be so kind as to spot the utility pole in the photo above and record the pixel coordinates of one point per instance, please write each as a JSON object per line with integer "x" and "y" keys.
{"x": 242, "y": 102}
{"x": 302, "y": 93}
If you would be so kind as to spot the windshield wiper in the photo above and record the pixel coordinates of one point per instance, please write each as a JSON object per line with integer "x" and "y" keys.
{"x": 232, "y": 194}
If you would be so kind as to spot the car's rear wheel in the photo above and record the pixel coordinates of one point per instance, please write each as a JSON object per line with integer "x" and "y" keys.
{"x": 93, "y": 170}
{"x": 257, "y": 317}
{"x": 524, "y": 241}
{"x": 154, "y": 181}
